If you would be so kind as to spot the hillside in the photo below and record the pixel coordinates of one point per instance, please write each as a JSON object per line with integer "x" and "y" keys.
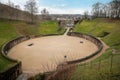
{"x": 12, "y": 13}
{"x": 107, "y": 66}
{"x": 99, "y": 69}
{"x": 12, "y": 29}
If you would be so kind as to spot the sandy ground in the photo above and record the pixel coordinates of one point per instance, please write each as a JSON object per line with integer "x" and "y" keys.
{"x": 47, "y": 52}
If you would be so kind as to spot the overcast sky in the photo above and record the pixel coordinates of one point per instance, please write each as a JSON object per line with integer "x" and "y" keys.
{"x": 61, "y": 6}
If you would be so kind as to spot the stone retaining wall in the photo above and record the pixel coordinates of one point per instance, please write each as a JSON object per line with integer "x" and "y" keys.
{"x": 14, "y": 71}
{"x": 71, "y": 64}
{"x": 90, "y": 38}
{"x": 12, "y": 13}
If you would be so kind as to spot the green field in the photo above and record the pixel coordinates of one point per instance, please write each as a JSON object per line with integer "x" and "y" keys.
{"x": 100, "y": 68}
{"x": 50, "y": 27}
{"x": 12, "y": 29}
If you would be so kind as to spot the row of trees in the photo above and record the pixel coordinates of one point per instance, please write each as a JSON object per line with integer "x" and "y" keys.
{"x": 11, "y": 4}
{"x": 13, "y": 12}
{"x": 111, "y": 10}
{"x": 31, "y": 7}
{"x": 7, "y": 12}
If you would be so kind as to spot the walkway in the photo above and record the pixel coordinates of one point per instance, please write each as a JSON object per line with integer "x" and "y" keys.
{"x": 23, "y": 76}
{"x": 65, "y": 34}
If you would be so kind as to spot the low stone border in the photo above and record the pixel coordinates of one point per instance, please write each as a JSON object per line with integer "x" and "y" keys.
{"x": 67, "y": 66}
{"x": 14, "y": 71}
{"x": 94, "y": 40}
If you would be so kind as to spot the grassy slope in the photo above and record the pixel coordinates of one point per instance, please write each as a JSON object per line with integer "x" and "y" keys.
{"x": 13, "y": 29}
{"x": 50, "y": 27}
{"x": 7, "y": 32}
{"x": 96, "y": 27}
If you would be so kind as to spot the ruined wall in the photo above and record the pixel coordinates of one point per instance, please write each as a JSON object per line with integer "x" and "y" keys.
{"x": 7, "y": 12}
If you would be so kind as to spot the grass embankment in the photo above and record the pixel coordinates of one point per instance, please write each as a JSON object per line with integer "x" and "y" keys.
{"x": 50, "y": 27}
{"x": 12, "y": 29}
{"x": 100, "y": 69}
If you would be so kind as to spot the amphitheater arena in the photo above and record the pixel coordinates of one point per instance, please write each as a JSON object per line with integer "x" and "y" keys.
{"x": 43, "y": 54}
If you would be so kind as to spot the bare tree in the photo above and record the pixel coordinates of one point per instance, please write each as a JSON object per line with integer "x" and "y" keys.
{"x": 111, "y": 10}
{"x": 115, "y": 9}
{"x": 31, "y": 7}
{"x": 11, "y": 4}
{"x": 45, "y": 14}
{"x": 17, "y": 6}
{"x": 86, "y": 15}
{"x": 96, "y": 9}
{"x": 104, "y": 10}
{"x": 17, "y": 13}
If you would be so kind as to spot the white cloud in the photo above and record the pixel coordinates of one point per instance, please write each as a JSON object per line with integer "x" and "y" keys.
{"x": 58, "y": 10}
{"x": 55, "y": 9}
{"x": 16, "y": 2}
{"x": 59, "y": 6}
{"x": 59, "y": 0}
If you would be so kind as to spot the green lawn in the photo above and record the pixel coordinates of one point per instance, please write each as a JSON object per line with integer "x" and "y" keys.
{"x": 12, "y": 29}
{"x": 7, "y": 32}
{"x": 50, "y": 27}
{"x": 97, "y": 28}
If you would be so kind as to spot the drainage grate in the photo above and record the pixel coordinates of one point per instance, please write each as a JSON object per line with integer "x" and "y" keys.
{"x": 81, "y": 42}
{"x": 30, "y": 44}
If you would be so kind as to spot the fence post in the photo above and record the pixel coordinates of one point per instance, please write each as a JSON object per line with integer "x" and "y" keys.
{"x": 91, "y": 65}
{"x": 111, "y": 63}
{"x": 85, "y": 65}
{"x": 99, "y": 66}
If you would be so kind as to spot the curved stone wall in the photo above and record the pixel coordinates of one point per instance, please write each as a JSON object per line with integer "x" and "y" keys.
{"x": 6, "y": 47}
{"x": 11, "y": 44}
{"x": 94, "y": 40}
{"x": 68, "y": 65}
{"x": 14, "y": 71}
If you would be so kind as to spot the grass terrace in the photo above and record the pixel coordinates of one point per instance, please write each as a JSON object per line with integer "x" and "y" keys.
{"x": 100, "y": 69}
{"x": 12, "y": 29}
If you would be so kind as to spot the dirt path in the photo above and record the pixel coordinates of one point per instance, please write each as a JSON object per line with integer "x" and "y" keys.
{"x": 65, "y": 34}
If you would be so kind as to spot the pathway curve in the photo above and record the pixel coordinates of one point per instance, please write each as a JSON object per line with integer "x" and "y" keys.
{"x": 23, "y": 76}
{"x": 65, "y": 34}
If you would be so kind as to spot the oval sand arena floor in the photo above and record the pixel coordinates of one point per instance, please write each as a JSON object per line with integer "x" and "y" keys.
{"x": 45, "y": 53}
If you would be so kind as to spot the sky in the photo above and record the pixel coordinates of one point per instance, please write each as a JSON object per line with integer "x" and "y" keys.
{"x": 61, "y": 6}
